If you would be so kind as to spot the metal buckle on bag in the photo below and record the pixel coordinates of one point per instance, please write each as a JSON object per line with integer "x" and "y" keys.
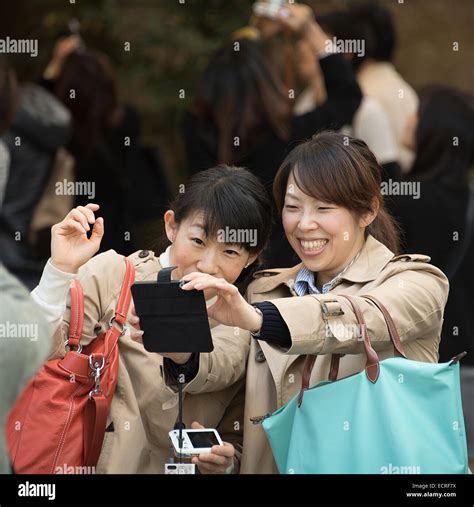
{"x": 96, "y": 369}
{"x": 331, "y": 308}
{"x": 79, "y": 347}
{"x": 457, "y": 358}
{"x": 124, "y": 327}
{"x": 259, "y": 419}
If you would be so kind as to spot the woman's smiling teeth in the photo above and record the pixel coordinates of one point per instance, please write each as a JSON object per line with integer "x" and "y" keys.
{"x": 313, "y": 245}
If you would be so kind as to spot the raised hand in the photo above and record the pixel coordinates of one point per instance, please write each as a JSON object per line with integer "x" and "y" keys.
{"x": 218, "y": 460}
{"x": 70, "y": 246}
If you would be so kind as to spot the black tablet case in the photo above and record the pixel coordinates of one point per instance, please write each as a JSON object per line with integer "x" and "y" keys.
{"x": 172, "y": 319}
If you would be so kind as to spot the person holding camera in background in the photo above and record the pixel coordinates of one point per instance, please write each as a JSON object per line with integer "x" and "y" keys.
{"x": 243, "y": 114}
{"x": 370, "y": 123}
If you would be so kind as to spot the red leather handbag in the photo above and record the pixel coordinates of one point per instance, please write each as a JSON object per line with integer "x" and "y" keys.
{"x": 58, "y": 422}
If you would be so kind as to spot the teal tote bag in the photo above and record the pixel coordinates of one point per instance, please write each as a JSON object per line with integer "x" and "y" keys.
{"x": 397, "y": 416}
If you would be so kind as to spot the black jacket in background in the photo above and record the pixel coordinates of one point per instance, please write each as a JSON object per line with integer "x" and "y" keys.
{"x": 109, "y": 166}
{"x": 40, "y": 126}
{"x": 430, "y": 223}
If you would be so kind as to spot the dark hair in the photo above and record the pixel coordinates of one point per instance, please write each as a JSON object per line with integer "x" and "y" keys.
{"x": 345, "y": 26}
{"x": 8, "y": 95}
{"x": 368, "y": 21}
{"x": 339, "y": 169}
{"x": 338, "y": 22}
{"x": 229, "y": 197}
{"x": 445, "y": 115}
{"x": 376, "y": 22}
{"x": 242, "y": 95}
{"x": 95, "y": 105}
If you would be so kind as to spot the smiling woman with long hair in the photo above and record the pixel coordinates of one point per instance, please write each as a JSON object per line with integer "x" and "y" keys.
{"x": 333, "y": 214}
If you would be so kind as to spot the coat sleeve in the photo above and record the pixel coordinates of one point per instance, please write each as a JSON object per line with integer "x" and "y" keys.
{"x": 414, "y": 297}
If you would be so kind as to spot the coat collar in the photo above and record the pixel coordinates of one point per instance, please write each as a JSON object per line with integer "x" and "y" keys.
{"x": 372, "y": 259}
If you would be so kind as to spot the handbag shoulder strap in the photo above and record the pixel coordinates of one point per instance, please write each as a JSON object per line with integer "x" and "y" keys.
{"x": 394, "y": 336}
{"x": 77, "y": 313}
{"x": 372, "y": 366}
{"x": 125, "y": 293}
{"x": 97, "y": 406}
{"x": 121, "y": 310}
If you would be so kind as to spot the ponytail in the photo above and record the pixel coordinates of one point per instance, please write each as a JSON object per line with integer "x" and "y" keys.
{"x": 386, "y": 230}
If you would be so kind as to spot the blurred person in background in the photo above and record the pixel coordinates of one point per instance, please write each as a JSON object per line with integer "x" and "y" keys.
{"x": 39, "y": 127}
{"x": 127, "y": 177}
{"x": 243, "y": 114}
{"x": 376, "y": 74}
{"x": 103, "y": 133}
{"x": 20, "y": 356}
{"x": 8, "y": 103}
{"x": 25, "y": 342}
{"x": 437, "y": 218}
{"x": 371, "y": 122}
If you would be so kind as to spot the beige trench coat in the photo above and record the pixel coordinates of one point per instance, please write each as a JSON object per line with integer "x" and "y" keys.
{"x": 144, "y": 408}
{"x": 414, "y": 292}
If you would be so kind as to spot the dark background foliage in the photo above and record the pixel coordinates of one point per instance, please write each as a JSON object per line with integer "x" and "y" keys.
{"x": 170, "y": 43}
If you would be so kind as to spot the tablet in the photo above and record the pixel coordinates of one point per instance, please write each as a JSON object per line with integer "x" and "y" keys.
{"x": 172, "y": 319}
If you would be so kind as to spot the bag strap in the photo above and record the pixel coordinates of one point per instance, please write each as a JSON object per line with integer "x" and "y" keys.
{"x": 164, "y": 275}
{"x": 96, "y": 410}
{"x": 77, "y": 313}
{"x": 79, "y": 365}
{"x": 372, "y": 366}
{"x": 121, "y": 310}
{"x": 95, "y": 415}
{"x": 392, "y": 330}
{"x": 308, "y": 368}
{"x": 125, "y": 293}
{"x": 394, "y": 336}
